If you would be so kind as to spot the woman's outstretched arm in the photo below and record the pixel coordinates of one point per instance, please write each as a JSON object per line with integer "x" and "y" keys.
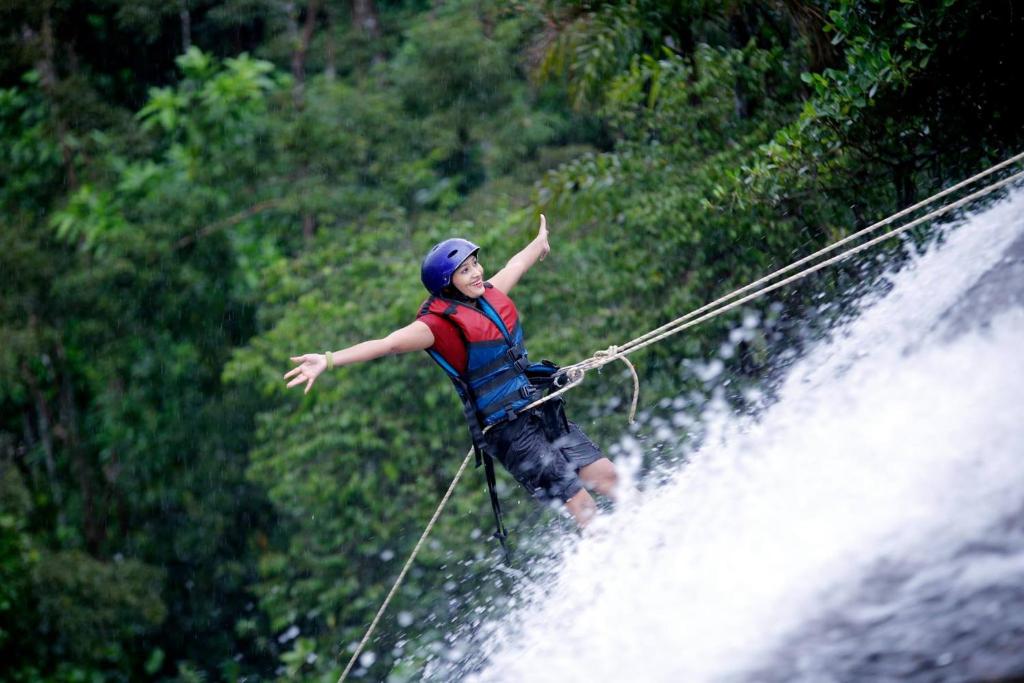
{"x": 506, "y": 278}
{"x": 413, "y": 337}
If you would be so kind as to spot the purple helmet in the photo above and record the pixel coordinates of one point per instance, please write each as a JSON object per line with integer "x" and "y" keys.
{"x": 442, "y": 260}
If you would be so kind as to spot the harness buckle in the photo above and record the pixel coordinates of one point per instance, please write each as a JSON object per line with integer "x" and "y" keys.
{"x": 517, "y": 358}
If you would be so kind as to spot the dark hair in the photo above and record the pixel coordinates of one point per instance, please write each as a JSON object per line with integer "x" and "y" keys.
{"x": 452, "y": 292}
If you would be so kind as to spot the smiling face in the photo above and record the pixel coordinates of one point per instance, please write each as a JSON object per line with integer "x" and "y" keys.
{"x": 468, "y": 278}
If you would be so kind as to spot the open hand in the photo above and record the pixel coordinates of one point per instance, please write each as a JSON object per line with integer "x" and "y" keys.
{"x": 309, "y": 368}
{"x": 542, "y": 237}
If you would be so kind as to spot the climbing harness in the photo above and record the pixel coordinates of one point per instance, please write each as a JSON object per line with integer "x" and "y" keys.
{"x": 572, "y": 375}
{"x": 480, "y": 347}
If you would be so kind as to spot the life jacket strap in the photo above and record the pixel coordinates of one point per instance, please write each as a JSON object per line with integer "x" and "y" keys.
{"x": 509, "y": 410}
{"x": 541, "y": 376}
{"x": 503, "y": 377}
{"x": 513, "y": 356}
{"x": 517, "y": 356}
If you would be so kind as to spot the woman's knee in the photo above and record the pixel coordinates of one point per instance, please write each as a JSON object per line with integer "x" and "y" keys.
{"x": 601, "y": 475}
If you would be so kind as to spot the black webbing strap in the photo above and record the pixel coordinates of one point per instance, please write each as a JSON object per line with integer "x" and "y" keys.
{"x": 475, "y": 432}
{"x": 501, "y": 533}
{"x": 542, "y": 376}
{"x": 484, "y": 458}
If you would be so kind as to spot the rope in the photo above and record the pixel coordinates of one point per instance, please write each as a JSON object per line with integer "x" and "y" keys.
{"x": 576, "y": 372}
{"x": 832, "y": 247}
{"x": 612, "y": 353}
{"x": 405, "y": 569}
{"x": 716, "y": 308}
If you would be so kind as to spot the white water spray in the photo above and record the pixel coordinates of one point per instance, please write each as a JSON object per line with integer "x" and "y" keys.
{"x": 891, "y": 448}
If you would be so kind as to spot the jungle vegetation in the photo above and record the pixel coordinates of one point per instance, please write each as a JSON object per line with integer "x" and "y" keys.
{"x": 191, "y": 192}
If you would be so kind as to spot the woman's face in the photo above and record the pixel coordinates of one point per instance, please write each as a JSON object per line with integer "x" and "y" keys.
{"x": 468, "y": 278}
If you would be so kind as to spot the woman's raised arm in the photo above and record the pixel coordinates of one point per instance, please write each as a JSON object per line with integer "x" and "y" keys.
{"x": 506, "y": 278}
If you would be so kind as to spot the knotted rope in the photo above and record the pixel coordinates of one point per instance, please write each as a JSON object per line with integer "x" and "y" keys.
{"x": 761, "y": 287}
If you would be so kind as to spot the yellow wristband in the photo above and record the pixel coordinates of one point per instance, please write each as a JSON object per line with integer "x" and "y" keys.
{"x": 330, "y": 360}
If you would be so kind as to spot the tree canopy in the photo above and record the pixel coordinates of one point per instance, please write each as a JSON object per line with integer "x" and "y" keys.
{"x": 193, "y": 192}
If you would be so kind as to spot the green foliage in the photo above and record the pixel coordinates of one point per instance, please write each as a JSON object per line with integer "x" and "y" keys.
{"x": 90, "y": 610}
{"x": 149, "y": 466}
{"x": 670, "y": 182}
{"x": 212, "y": 102}
{"x": 449, "y": 65}
{"x": 87, "y": 611}
{"x": 17, "y": 557}
{"x": 29, "y": 155}
{"x": 595, "y": 48}
{"x": 460, "y": 80}
{"x": 175, "y": 228}
{"x": 876, "y": 121}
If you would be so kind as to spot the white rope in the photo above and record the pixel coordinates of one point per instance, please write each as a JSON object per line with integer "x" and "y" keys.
{"x": 821, "y": 252}
{"x": 576, "y": 372}
{"x": 613, "y": 353}
{"x": 405, "y": 569}
{"x": 716, "y": 308}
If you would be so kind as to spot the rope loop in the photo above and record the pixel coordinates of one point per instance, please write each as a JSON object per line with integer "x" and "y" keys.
{"x": 606, "y": 356}
{"x": 636, "y": 389}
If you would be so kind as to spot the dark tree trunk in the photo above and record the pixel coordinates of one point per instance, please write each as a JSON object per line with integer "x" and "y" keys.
{"x": 47, "y": 68}
{"x": 186, "y": 26}
{"x": 28, "y": 442}
{"x": 688, "y": 48}
{"x": 44, "y": 426}
{"x": 906, "y": 188}
{"x": 809, "y": 21}
{"x": 330, "y": 58}
{"x": 92, "y": 525}
{"x": 302, "y": 49}
{"x": 44, "y": 432}
{"x": 741, "y": 34}
{"x": 298, "y": 94}
{"x": 308, "y": 226}
{"x": 365, "y": 17}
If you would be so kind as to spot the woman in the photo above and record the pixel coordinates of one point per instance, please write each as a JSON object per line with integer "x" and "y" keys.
{"x": 470, "y": 327}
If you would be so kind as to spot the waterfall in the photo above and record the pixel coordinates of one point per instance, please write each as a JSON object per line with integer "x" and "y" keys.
{"x": 868, "y": 525}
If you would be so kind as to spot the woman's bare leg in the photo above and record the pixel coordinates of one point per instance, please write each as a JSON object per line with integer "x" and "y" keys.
{"x": 582, "y": 507}
{"x": 600, "y": 475}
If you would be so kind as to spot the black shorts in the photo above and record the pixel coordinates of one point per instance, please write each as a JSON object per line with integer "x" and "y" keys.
{"x": 546, "y": 461}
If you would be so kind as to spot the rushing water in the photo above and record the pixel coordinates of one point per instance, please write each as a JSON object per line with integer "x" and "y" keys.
{"x": 867, "y": 526}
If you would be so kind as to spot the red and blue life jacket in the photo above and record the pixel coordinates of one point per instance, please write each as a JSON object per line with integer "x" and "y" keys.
{"x": 482, "y": 351}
